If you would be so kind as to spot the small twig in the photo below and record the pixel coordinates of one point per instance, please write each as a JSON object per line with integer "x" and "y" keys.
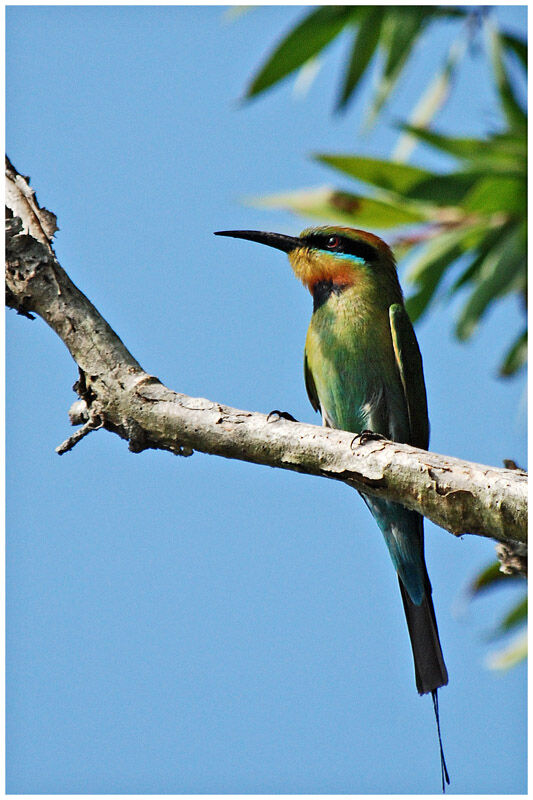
{"x": 76, "y": 437}
{"x": 513, "y": 558}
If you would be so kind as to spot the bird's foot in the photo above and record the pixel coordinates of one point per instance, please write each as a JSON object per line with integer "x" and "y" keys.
{"x": 275, "y": 415}
{"x": 370, "y": 436}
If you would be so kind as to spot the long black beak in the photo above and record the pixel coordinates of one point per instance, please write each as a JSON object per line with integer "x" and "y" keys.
{"x": 277, "y": 240}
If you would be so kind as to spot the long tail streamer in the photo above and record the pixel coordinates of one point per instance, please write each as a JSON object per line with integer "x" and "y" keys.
{"x": 443, "y": 768}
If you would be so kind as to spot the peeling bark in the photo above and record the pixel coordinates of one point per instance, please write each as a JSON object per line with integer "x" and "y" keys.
{"x": 117, "y": 394}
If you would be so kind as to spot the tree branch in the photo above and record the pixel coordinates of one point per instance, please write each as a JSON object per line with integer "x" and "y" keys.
{"x": 120, "y": 396}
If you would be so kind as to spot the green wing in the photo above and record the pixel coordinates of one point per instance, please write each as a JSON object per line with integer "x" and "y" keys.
{"x": 409, "y": 363}
{"x": 310, "y": 385}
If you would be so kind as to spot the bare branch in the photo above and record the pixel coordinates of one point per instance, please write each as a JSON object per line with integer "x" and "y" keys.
{"x": 460, "y": 496}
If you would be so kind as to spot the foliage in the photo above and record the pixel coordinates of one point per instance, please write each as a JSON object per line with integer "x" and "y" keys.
{"x": 393, "y": 30}
{"x": 515, "y": 620}
{"x": 471, "y": 239}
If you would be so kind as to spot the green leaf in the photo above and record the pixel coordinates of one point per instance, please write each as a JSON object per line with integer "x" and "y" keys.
{"x": 500, "y": 151}
{"x": 515, "y": 45}
{"x": 364, "y": 46}
{"x": 498, "y": 193}
{"x": 488, "y": 577}
{"x": 303, "y": 42}
{"x": 401, "y": 27}
{"x": 411, "y": 182}
{"x": 432, "y": 99}
{"x": 306, "y": 75}
{"x": 345, "y": 208}
{"x": 515, "y": 617}
{"x": 516, "y": 356}
{"x": 512, "y": 108}
{"x": 511, "y": 655}
{"x": 234, "y": 12}
{"x": 502, "y": 271}
{"x": 454, "y": 12}
{"x": 392, "y": 176}
{"x": 428, "y": 270}
{"x": 444, "y": 190}
{"x": 491, "y": 238}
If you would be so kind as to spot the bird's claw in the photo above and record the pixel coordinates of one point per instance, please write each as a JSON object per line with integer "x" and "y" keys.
{"x": 370, "y": 436}
{"x": 280, "y": 415}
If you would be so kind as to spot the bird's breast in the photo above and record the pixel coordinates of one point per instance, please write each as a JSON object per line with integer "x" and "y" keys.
{"x": 351, "y": 358}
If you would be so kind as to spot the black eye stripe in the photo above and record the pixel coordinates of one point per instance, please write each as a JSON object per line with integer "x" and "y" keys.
{"x": 347, "y": 245}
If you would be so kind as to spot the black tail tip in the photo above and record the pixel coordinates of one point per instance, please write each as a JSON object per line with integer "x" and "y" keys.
{"x": 445, "y": 775}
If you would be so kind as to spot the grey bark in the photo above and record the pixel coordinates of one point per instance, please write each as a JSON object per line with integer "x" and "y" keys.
{"x": 118, "y": 395}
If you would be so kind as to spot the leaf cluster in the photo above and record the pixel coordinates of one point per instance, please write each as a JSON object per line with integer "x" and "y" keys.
{"x": 513, "y": 622}
{"x": 470, "y": 233}
{"x": 390, "y": 30}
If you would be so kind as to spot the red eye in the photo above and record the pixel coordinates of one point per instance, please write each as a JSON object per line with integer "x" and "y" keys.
{"x": 333, "y": 242}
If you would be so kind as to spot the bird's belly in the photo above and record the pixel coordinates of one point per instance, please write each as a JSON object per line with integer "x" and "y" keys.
{"x": 358, "y": 384}
{"x": 350, "y": 398}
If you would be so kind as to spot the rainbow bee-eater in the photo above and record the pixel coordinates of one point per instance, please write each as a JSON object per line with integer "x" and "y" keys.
{"x": 363, "y": 372}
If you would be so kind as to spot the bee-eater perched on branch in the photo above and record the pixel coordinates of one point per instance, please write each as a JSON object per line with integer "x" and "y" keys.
{"x": 363, "y": 372}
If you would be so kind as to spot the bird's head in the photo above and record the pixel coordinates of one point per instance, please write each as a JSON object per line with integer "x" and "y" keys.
{"x": 342, "y": 256}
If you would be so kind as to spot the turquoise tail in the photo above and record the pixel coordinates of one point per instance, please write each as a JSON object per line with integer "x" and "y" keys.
{"x": 403, "y": 533}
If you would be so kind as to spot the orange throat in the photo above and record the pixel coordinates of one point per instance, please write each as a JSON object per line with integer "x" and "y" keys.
{"x": 312, "y": 269}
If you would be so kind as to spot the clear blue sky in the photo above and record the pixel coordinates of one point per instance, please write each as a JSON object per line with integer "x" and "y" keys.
{"x": 200, "y": 625}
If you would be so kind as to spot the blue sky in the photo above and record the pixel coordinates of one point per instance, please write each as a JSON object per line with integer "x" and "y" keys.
{"x": 200, "y": 625}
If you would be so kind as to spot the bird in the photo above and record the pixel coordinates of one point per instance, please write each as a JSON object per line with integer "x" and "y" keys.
{"x": 363, "y": 372}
